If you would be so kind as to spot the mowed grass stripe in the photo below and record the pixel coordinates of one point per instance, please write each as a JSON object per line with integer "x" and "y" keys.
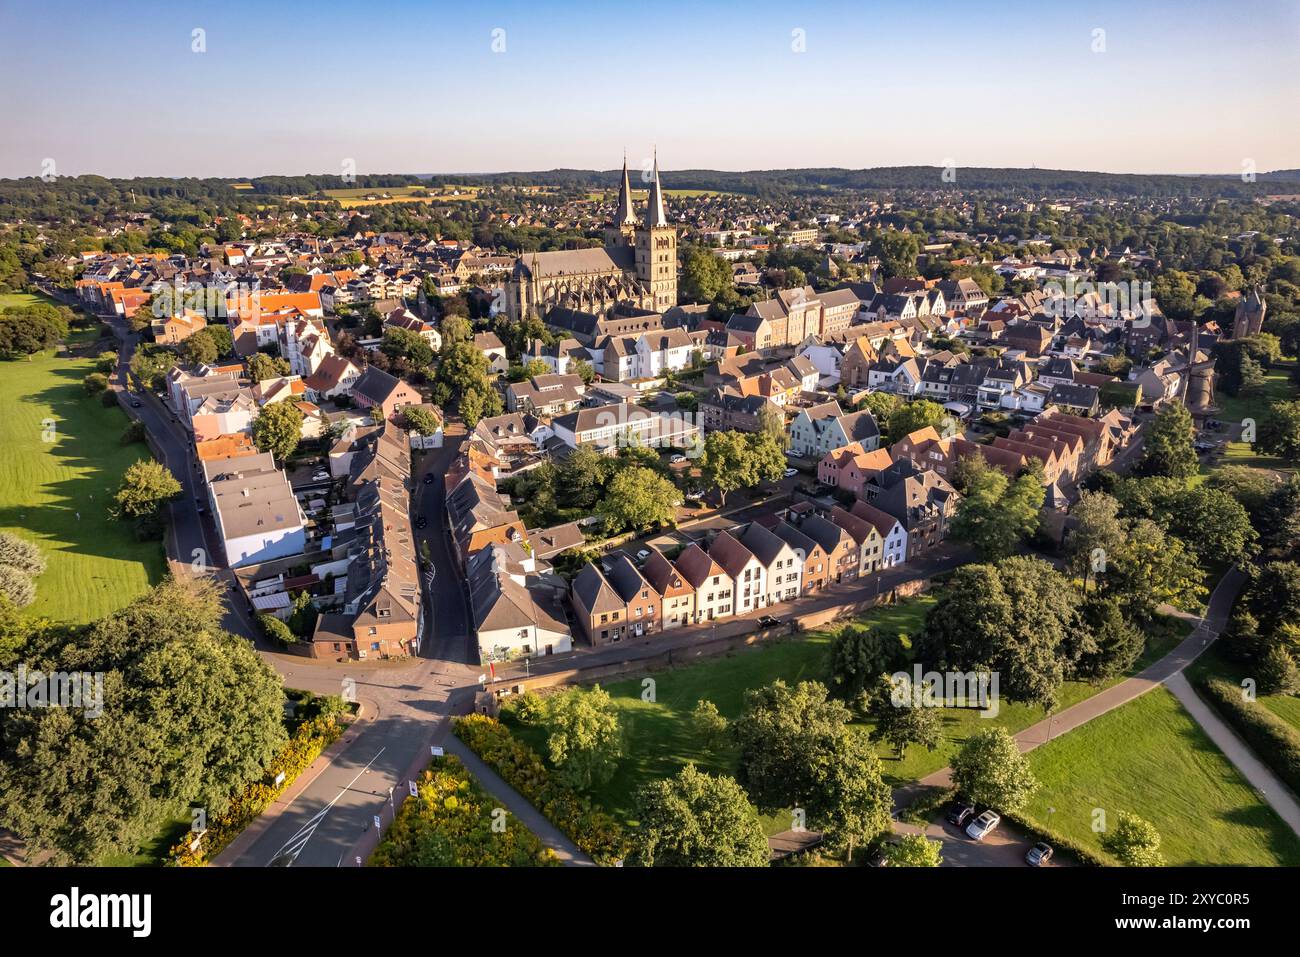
{"x": 95, "y": 565}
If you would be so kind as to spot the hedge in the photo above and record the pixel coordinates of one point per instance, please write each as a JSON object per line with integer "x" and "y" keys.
{"x": 450, "y": 824}
{"x": 311, "y": 738}
{"x": 1275, "y": 742}
{"x": 595, "y": 831}
{"x": 1037, "y": 832}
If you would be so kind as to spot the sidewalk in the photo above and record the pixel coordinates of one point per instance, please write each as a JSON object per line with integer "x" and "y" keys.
{"x": 529, "y": 816}
{"x": 1261, "y": 778}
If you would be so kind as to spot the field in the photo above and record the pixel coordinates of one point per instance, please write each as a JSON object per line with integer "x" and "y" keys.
{"x": 11, "y": 299}
{"x": 1150, "y": 758}
{"x": 660, "y": 739}
{"x": 56, "y": 492}
{"x": 640, "y": 194}
{"x": 353, "y": 197}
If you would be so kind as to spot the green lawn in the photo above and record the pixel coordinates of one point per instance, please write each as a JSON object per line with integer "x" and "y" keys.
{"x": 660, "y": 739}
{"x": 11, "y": 299}
{"x": 1150, "y": 758}
{"x": 95, "y": 563}
{"x": 1277, "y": 388}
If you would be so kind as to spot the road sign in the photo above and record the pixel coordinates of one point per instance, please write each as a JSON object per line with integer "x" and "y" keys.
{"x": 377, "y": 824}
{"x": 415, "y": 791}
{"x": 435, "y": 750}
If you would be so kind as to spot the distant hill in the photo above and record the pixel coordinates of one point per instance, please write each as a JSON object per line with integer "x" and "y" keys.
{"x": 1051, "y": 182}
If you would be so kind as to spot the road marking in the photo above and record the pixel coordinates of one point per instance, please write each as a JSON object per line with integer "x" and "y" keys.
{"x": 295, "y": 844}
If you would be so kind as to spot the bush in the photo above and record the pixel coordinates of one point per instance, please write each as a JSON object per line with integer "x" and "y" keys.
{"x": 134, "y": 432}
{"x": 450, "y": 824}
{"x": 596, "y": 832}
{"x": 108, "y": 399}
{"x": 1275, "y": 742}
{"x": 276, "y": 630}
{"x": 95, "y": 383}
{"x": 21, "y": 554}
{"x": 311, "y": 738}
{"x": 17, "y": 585}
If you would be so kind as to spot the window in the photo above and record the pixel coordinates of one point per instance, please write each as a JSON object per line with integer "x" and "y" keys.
{"x": 374, "y": 646}
{"x": 372, "y": 631}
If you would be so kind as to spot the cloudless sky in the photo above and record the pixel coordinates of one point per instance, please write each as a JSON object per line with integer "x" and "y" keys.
{"x": 297, "y": 87}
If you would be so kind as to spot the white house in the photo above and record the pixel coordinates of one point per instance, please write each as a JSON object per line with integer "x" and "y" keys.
{"x": 256, "y": 512}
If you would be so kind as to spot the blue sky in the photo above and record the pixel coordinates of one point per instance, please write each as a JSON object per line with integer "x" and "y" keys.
{"x": 288, "y": 87}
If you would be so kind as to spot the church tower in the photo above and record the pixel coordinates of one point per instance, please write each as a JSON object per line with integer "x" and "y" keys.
{"x": 622, "y": 229}
{"x": 1248, "y": 320}
{"x": 656, "y": 248}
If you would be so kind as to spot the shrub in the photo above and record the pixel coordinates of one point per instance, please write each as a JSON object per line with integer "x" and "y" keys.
{"x": 1275, "y": 742}
{"x": 450, "y": 823}
{"x": 596, "y": 832}
{"x": 21, "y": 554}
{"x": 17, "y": 585}
{"x": 95, "y": 383}
{"x": 134, "y": 432}
{"x": 276, "y": 630}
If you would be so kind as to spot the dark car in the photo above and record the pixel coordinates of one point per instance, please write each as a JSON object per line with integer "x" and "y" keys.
{"x": 428, "y": 479}
{"x": 421, "y": 522}
{"x": 960, "y": 813}
{"x": 136, "y": 403}
{"x": 767, "y": 621}
{"x": 1039, "y": 854}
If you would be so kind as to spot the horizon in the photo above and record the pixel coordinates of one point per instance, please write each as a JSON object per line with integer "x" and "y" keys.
{"x": 441, "y": 90}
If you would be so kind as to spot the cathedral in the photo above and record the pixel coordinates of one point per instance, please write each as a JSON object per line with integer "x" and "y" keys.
{"x": 637, "y": 265}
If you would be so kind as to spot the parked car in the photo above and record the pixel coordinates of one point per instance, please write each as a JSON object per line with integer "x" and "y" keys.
{"x": 767, "y": 621}
{"x": 960, "y": 813}
{"x": 136, "y": 403}
{"x": 642, "y": 554}
{"x": 1039, "y": 854}
{"x": 421, "y": 522}
{"x": 428, "y": 479}
{"x": 791, "y": 472}
{"x": 320, "y": 476}
{"x": 983, "y": 825}
{"x": 677, "y": 459}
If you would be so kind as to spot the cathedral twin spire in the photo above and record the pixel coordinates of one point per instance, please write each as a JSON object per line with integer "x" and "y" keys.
{"x": 654, "y": 214}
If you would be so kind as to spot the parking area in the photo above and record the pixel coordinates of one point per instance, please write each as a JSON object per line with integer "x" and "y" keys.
{"x": 1005, "y": 846}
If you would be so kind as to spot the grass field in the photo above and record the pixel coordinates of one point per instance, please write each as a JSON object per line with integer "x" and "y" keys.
{"x": 1150, "y": 758}
{"x": 95, "y": 565}
{"x": 1213, "y": 664}
{"x": 660, "y": 739}
{"x": 353, "y": 197}
{"x": 11, "y": 299}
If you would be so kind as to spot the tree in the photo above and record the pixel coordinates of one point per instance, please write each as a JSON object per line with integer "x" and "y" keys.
{"x": 996, "y": 515}
{"x": 914, "y": 850}
{"x": 26, "y": 330}
{"x": 695, "y": 819}
{"x": 989, "y": 769}
{"x": 145, "y": 486}
{"x": 881, "y": 405}
{"x": 17, "y": 586}
{"x": 1279, "y": 431}
{"x": 278, "y": 429}
{"x": 585, "y": 370}
{"x": 200, "y": 349}
{"x": 727, "y": 463}
{"x": 221, "y": 337}
{"x": 1018, "y": 617}
{"x": 584, "y": 740}
{"x": 918, "y": 414}
{"x": 858, "y": 656}
{"x": 21, "y": 554}
{"x": 899, "y": 719}
{"x": 1150, "y": 568}
{"x": 190, "y": 714}
{"x": 1116, "y": 644}
{"x": 638, "y": 498}
{"x": 1278, "y": 516}
{"x": 708, "y": 724}
{"x": 897, "y": 252}
{"x": 276, "y": 630}
{"x": 796, "y": 750}
{"x": 1277, "y": 672}
{"x": 1135, "y": 842}
{"x": 705, "y": 277}
{"x": 1168, "y": 444}
{"x": 1098, "y": 533}
{"x": 262, "y": 367}
{"x": 95, "y": 383}
{"x": 1213, "y": 525}
{"x": 422, "y": 421}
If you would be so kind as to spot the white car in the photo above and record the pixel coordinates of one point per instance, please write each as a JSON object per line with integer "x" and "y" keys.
{"x": 677, "y": 459}
{"x": 983, "y": 825}
{"x": 791, "y": 472}
{"x": 643, "y": 554}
